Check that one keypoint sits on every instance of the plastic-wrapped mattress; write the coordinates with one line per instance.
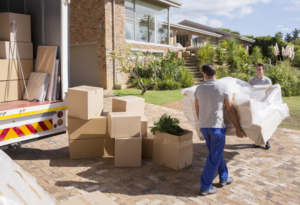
(260, 109)
(17, 187)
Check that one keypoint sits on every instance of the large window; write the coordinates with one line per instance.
(198, 41)
(146, 22)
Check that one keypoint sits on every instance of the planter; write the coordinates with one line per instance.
(175, 152)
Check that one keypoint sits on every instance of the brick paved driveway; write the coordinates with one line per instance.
(261, 176)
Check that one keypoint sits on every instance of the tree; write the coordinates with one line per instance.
(296, 34)
(296, 42)
(131, 62)
(288, 38)
(248, 36)
(229, 31)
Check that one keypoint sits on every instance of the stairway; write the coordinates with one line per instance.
(191, 63)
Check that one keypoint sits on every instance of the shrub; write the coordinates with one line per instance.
(296, 61)
(220, 55)
(206, 54)
(256, 56)
(167, 84)
(186, 78)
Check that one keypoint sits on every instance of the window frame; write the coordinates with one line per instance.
(129, 19)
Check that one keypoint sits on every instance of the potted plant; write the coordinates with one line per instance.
(172, 145)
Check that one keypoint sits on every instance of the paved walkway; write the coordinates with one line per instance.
(261, 176)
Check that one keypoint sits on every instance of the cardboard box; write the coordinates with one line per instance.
(87, 129)
(147, 146)
(16, 90)
(128, 152)
(124, 124)
(175, 152)
(94, 198)
(89, 148)
(144, 126)
(128, 104)
(23, 31)
(85, 102)
(14, 66)
(7, 47)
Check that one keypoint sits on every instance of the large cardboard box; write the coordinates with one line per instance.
(95, 198)
(128, 104)
(144, 126)
(124, 124)
(7, 48)
(14, 66)
(16, 90)
(85, 102)
(23, 29)
(147, 146)
(89, 148)
(128, 152)
(87, 129)
(175, 152)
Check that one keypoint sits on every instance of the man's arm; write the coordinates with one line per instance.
(233, 117)
(197, 107)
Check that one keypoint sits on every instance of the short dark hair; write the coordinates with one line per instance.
(261, 65)
(209, 69)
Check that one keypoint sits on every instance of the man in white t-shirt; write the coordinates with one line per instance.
(260, 79)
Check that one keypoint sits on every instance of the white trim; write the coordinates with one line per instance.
(188, 28)
(247, 39)
(175, 4)
(146, 50)
(148, 44)
(65, 64)
(84, 44)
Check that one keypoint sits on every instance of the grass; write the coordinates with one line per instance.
(293, 122)
(165, 97)
(153, 97)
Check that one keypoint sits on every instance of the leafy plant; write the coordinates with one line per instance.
(256, 56)
(220, 55)
(166, 124)
(186, 78)
(206, 54)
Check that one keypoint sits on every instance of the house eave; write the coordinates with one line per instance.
(171, 3)
(195, 30)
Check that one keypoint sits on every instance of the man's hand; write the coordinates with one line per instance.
(197, 107)
(240, 133)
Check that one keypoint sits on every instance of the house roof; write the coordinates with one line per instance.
(188, 28)
(172, 3)
(217, 31)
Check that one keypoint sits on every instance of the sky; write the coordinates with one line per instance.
(249, 17)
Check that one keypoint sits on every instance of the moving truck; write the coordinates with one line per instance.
(23, 121)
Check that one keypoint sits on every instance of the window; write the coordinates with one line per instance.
(183, 39)
(198, 41)
(146, 22)
(211, 40)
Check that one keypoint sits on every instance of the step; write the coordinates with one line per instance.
(191, 64)
(191, 67)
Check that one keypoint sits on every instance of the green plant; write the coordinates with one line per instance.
(167, 84)
(166, 124)
(256, 56)
(186, 78)
(206, 54)
(220, 55)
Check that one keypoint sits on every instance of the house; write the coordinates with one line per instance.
(98, 26)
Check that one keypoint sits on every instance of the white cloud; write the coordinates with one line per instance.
(293, 5)
(215, 23)
(279, 26)
(285, 29)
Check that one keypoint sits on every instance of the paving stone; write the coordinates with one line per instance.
(261, 176)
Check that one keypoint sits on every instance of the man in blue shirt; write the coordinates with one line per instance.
(260, 79)
(210, 99)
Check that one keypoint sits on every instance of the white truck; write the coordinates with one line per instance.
(22, 121)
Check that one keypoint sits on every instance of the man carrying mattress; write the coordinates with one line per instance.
(260, 79)
(210, 99)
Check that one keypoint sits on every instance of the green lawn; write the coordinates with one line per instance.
(293, 122)
(153, 97)
(165, 97)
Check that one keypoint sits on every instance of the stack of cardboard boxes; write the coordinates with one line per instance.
(120, 133)
(9, 66)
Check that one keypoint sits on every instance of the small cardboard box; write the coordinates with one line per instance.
(85, 102)
(23, 23)
(147, 146)
(128, 104)
(144, 126)
(87, 129)
(124, 124)
(94, 198)
(16, 74)
(16, 90)
(89, 148)
(128, 152)
(7, 47)
(175, 152)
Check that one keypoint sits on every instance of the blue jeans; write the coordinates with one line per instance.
(215, 141)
